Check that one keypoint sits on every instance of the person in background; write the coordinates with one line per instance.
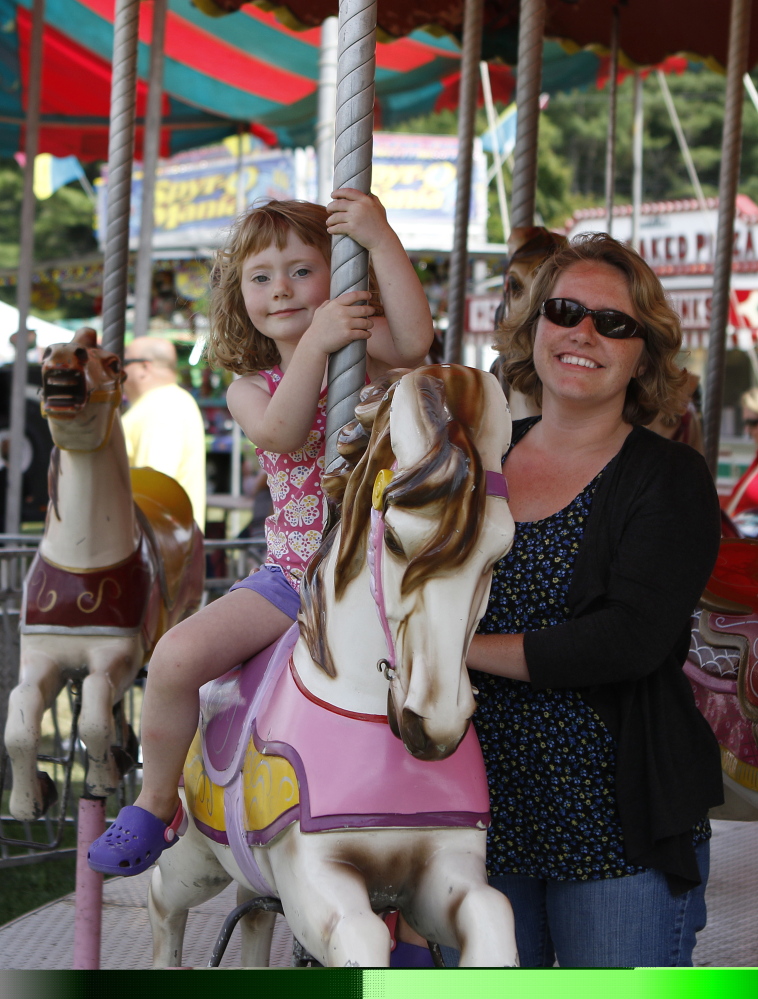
(163, 426)
(744, 496)
(684, 424)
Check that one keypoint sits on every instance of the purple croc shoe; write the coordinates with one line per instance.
(134, 841)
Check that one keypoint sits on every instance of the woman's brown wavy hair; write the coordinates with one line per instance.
(657, 389)
(234, 342)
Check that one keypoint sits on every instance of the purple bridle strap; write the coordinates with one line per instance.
(496, 486)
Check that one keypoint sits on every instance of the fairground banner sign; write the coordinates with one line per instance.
(196, 195)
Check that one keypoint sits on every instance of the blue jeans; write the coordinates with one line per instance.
(630, 922)
(626, 922)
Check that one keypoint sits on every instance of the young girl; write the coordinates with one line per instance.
(272, 323)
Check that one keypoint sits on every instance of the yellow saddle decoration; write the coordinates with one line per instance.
(269, 785)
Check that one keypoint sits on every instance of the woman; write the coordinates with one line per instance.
(601, 769)
(745, 494)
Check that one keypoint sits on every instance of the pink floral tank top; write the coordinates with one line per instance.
(294, 530)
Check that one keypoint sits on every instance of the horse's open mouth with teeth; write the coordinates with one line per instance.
(63, 390)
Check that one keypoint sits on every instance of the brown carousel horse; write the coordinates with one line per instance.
(121, 561)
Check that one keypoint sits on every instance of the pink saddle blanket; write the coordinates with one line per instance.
(352, 772)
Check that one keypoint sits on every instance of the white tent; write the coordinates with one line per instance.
(47, 333)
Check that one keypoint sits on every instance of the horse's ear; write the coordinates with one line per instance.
(85, 336)
(415, 425)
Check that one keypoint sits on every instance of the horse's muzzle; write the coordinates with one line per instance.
(419, 744)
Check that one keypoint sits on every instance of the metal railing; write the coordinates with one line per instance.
(63, 757)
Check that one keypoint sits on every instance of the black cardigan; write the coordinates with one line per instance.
(649, 547)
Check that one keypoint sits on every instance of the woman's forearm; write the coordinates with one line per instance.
(501, 655)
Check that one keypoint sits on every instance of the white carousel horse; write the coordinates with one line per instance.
(296, 785)
(722, 667)
(120, 562)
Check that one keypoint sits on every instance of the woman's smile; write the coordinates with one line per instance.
(583, 362)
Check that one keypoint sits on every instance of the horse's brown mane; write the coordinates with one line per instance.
(451, 475)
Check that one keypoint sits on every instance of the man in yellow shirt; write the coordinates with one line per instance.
(163, 425)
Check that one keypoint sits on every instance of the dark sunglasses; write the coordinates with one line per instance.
(135, 360)
(608, 322)
(752, 422)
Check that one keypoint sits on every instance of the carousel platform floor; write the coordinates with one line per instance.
(43, 939)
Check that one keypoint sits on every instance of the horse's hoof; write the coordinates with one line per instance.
(126, 757)
(48, 792)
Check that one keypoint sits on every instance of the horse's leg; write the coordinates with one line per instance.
(186, 875)
(256, 932)
(113, 665)
(326, 902)
(39, 684)
(453, 900)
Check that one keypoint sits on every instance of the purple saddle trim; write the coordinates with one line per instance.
(229, 704)
(496, 484)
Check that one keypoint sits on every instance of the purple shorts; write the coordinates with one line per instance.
(272, 584)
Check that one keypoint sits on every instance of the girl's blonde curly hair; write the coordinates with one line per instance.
(234, 342)
(658, 386)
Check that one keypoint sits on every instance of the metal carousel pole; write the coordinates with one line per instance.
(120, 158)
(151, 143)
(472, 48)
(89, 884)
(530, 40)
(610, 145)
(354, 127)
(739, 37)
(13, 505)
(327, 96)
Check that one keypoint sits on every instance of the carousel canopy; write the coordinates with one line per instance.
(650, 30)
(247, 68)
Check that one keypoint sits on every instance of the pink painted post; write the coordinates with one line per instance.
(89, 888)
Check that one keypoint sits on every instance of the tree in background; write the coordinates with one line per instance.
(63, 223)
(573, 129)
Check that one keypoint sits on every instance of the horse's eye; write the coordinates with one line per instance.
(392, 542)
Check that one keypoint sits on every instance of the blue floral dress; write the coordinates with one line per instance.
(550, 759)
